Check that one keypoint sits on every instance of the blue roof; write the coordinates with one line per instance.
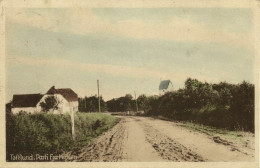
(164, 84)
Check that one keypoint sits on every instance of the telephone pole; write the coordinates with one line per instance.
(136, 103)
(99, 109)
(72, 117)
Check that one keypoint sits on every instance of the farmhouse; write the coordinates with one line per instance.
(30, 103)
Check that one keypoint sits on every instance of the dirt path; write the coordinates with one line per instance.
(141, 139)
(136, 147)
(199, 143)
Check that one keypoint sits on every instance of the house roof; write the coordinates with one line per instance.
(164, 84)
(67, 93)
(26, 100)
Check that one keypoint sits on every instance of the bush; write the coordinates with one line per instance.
(221, 105)
(51, 133)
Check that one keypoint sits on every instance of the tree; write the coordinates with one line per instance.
(50, 103)
(90, 104)
(8, 108)
(242, 105)
(125, 103)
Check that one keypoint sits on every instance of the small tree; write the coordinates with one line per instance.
(50, 103)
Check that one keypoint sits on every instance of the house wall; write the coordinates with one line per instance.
(31, 110)
(63, 107)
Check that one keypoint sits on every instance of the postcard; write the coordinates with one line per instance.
(130, 84)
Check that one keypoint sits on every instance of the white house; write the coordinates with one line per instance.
(30, 103)
(26, 102)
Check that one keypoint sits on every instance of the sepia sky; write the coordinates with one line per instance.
(126, 49)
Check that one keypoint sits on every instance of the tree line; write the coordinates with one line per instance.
(222, 105)
(121, 104)
(90, 104)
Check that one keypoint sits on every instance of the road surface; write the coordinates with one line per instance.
(144, 139)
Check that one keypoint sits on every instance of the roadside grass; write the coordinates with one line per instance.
(51, 133)
(211, 131)
(88, 126)
(240, 137)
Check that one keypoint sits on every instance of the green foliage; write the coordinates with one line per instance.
(231, 136)
(221, 105)
(122, 104)
(50, 103)
(90, 104)
(142, 102)
(92, 124)
(51, 133)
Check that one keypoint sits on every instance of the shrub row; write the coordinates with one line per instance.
(222, 105)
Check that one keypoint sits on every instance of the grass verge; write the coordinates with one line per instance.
(240, 137)
(32, 134)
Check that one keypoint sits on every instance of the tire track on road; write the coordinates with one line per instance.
(141, 139)
(107, 148)
(167, 147)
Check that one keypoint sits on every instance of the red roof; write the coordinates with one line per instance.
(26, 100)
(67, 93)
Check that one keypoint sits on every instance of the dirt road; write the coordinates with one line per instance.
(146, 139)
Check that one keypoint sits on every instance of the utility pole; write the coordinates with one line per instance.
(85, 103)
(73, 124)
(99, 109)
(136, 103)
(159, 87)
(72, 117)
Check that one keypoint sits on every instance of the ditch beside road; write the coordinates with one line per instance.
(145, 139)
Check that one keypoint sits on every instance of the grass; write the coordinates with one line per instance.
(212, 131)
(89, 125)
(51, 133)
(233, 136)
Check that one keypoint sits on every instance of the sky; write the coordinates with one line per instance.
(127, 49)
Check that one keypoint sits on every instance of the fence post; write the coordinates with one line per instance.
(72, 123)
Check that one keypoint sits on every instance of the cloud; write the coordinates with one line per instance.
(135, 74)
(113, 70)
(82, 21)
(125, 71)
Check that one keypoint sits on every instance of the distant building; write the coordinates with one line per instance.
(30, 103)
(165, 86)
(27, 102)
